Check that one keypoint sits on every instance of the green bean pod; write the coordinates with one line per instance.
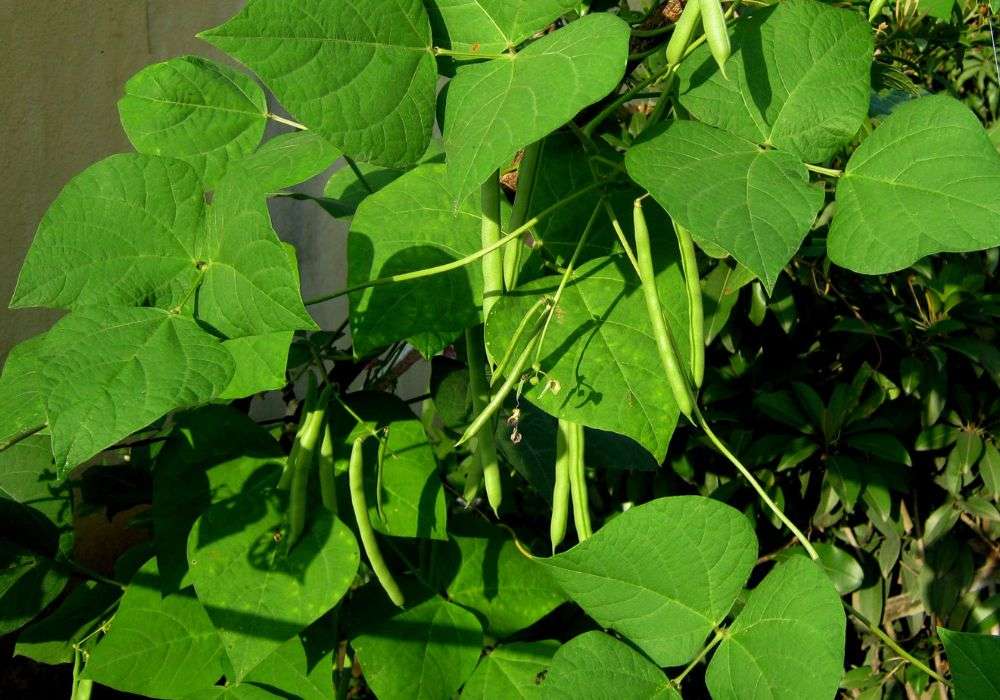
(473, 478)
(683, 32)
(716, 33)
(359, 503)
(565, 434)
(692, 283)
(482, 427)
(578, 485)
(513, 254)
(285, 481)
(492, 263)
(325, 466)
(302, 467)
(664, 342)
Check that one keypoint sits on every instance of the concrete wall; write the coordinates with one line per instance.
(64, 63)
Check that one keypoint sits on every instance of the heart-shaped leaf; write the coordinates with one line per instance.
(495, 108)
(754, 203)
(159, 646)
(511, 672)
(663, 574)
(798, 79)
(359, 72)
(257, 593)
(595, 665)
(492, 26)
(195, 110)
(974, 659)
(432, 664)
(788, 639)
(931, 168)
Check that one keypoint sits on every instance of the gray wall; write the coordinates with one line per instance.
(64, 65)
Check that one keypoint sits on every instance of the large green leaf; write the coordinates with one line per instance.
(158, 646)
(511, 672)
(257, 593)
(798, 79)
(495, 108)
(359, 72)
(29, 582)
(663, 574)
(260, 362)
(196, 110)
(121, 232)
(281, 162)
(787, 642)
(423, 653)
(412, 501)
(594, 666)
(492, 578)
(51, 640)
(492, 26)
(22, 404)
(754, 203)
(301, 667)
(409, 225)
(932, 174)
(599, 347)
(974, 660)
(132, 231)
(209, 456)
(110, 372)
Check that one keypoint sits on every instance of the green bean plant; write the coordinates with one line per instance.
(708, 295)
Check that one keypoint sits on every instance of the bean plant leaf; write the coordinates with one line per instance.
(798, 79)
(595, 665)
(974, 660)
(159, 646)
(281, 162)
(599, 347)
(260, 362)
(121, 232)
(788, 639)
(208, 457)
(492, 578)
(754, 203)
(409, 225)
(300, 668)
(412, 501)
(323, 59)
(432, 664)
(258, 593)
(110, 372)
(492, 26)
(51, 639)
(511, 672)
(29, 582)
(638, 576)
(195, 110)
(22, 404)
(496, 108)
(932, 168)
(28, 478)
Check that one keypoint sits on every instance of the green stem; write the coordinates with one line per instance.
(462, 262)
(565, 278)
(721, 447)
(358, 174)
(832, 172)
(482, 427)
(470, 55)
(894, 645)
(527, 174)
(482, 419)
(287, 122)
(492, 263)
(650, 33)
(81, 687)
(719, 636)
(622, 238)
(516, 339)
